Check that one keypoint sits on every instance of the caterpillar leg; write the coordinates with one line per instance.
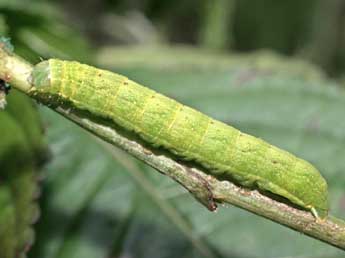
(317, 216)
(315, 213)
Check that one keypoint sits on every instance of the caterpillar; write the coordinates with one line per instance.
(165, 123)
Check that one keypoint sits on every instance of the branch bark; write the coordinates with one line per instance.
(205, 188)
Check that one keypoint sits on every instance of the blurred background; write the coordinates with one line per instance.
(272, 68)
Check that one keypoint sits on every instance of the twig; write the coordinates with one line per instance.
(166, 208)
(205, 188)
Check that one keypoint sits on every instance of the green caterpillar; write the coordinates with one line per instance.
(185, 132)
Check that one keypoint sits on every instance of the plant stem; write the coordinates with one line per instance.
(205, 188)
(14, 70)
(216, 31)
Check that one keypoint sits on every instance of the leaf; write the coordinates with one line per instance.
(24, 112)
(97, 204)
(14, 152)
(7, 224)
(19, 152)
(38, 30)
(263, 63)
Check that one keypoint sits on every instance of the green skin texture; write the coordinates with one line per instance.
(185, 132)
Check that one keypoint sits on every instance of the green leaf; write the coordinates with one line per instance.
(7, 223)
(17, 189)
(24, 112)
(21, 148)
(101, 203)
(38, 30)
(263, 63)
